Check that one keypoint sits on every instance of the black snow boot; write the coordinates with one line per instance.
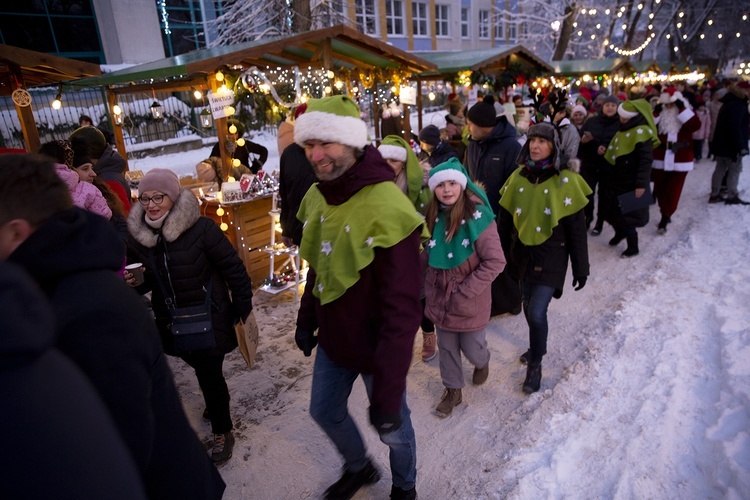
(619, 236)
(662, 227)
(632, 249)
(533, 377)
(351, 482)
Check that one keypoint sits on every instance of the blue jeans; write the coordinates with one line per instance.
(536, 299)
(331, 387)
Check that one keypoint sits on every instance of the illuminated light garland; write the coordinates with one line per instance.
(624, 52)
(165, 17)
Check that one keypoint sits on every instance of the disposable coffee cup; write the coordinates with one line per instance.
(137, 271)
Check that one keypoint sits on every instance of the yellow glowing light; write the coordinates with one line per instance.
(56, 104)
(231, 179)
(223, 226)
(330, 74)
(230, 110)
(197, 94)
(240, 142)
(116, 109)
(327, 89)
(232, 129)
(431, 96)
(219, 76)
(339, 84)
(219, 211)
(236, 162)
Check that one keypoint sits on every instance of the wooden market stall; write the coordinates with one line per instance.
(21, 69)
(345, 55)
(506, 62)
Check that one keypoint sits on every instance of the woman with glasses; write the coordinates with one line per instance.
(190, 262)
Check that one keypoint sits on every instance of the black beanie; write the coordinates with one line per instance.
(430, 135)
(482, 114)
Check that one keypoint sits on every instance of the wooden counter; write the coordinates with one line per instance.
(249, 231)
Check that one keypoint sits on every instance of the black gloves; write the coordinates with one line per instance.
(384, 423)
(306, 340)
(580, 281)
(680, 105)
(658, 108)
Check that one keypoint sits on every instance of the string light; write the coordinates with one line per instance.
(624, 52)
(165, 17)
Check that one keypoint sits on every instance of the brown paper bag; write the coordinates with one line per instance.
(247, 338)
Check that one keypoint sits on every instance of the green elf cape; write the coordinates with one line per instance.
(340, 240)
(538, 208)
(418, 193)
(451, 254)
(624, 141)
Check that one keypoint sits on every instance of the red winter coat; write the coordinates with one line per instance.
(680, 157)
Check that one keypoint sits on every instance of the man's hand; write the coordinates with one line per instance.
(384, 423)
(579, 282)
(680, 105)
(306, 340)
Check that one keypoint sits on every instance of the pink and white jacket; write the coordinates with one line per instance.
(84, 195)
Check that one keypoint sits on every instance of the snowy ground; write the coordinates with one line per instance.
(645, 392)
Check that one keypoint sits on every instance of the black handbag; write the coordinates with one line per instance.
(191, 327)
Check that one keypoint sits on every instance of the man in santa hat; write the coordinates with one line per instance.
(673, 159)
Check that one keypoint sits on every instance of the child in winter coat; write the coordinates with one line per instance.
(700, 135)
(465, 256)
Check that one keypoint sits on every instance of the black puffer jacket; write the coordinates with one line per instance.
(630, 171)
(547, 263)
(296, 175)
(491, 160)
(103, 326)
(731, 135)
(187, 252)
(442, 153)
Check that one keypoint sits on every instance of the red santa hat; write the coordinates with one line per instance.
(666, 95)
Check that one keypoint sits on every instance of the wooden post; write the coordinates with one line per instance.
(25, 114)
(117, 129)
(419, 104)
(407, 123)
(221, 133)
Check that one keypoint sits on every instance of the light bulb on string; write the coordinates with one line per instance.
(219, 76)
(57, 103)
(219, 211)
(240, 142)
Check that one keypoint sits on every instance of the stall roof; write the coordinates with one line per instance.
(36, 68)
(587, 66)
(454, 61)
(337, 46)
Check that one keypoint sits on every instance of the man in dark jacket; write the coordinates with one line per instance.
(58, 438)
(102, 325)
(730, 143)
(295, 178)
(361, 237)
(490, 159)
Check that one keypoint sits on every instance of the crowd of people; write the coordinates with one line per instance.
(482, 221)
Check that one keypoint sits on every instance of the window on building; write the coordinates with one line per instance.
(484, 24)
(394, 17)
(512, 28)
(524, 35)
(499, 29)
(419, 19)
(442, 20)
(367, 18)
(465, 31)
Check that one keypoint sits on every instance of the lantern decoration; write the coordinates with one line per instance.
(57, 103)
(117, 114)
(207, 121)
(157, 110)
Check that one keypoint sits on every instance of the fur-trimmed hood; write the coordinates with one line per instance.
(185, 212)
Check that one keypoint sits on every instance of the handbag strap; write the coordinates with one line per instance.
(169, 301)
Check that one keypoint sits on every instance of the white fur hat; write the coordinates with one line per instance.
(392, 152)
(332, 119)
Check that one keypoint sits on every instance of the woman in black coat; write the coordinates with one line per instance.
(631, 154)
(185, 256)
(541, 224)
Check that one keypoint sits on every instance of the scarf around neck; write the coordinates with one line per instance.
(451, 254)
